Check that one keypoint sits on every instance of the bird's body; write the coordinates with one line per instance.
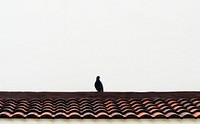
(98, 85)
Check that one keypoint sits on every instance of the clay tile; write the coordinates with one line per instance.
(60, 110)
(124, 105)
(21, 110)
(1, 101)
(98, 108)
(35, 110)
(113, 111)
(97, 104)
(60, 100)
(87, 111)
(48, 110)
(74, 110)
(10, 101)
(136, 105)
(186, 115)
(72, 104)
(109, 106)
(36, 105)
(10, 105)
(99, 111)
(35, 101)
(116, 115)
(137, 108)
(112, 108)
(198, 105)
(197, 114)
(22, 101)
(158, 115)
(181, 110)
(23, 105)
(130, 115)
(193, 110)
(187, 104)
(60, 115)
(140, 110)
(160, 105)
(6, 109)
(124, 108)
(177, 107)
(181, 100)
(121, 99)
(196, 101)
(48, 104)
(143, 115)
(18, 115)
(145, 99)
(169, 99)
(102, 115)
(5, 115)
(154, 110)
(127, 110)
(191, 107)
(84, 103)
(32, 115)
(159, 101)
(194, 98)
(85, 107)
(146, 102)
(133, 102)
(164, 108)
(149, 105)
(61, 105)
(121, 102)
(184, 102)
(74, 115)
(167, 110)
(88, 115)
(172, 115)
(70, 101)
(108, 102)
(46, 115)
(174, 104)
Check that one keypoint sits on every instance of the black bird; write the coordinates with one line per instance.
(98, 85)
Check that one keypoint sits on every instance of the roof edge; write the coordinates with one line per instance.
(64, 95)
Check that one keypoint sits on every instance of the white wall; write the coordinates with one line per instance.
(134, 45)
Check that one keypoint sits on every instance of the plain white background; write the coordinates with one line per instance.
(134, 45)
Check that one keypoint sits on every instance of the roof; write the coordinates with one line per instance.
(95, 105)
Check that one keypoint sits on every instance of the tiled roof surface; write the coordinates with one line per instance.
(100, 105)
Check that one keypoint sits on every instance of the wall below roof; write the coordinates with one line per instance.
(111, 121)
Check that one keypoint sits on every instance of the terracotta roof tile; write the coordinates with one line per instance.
(100, 105)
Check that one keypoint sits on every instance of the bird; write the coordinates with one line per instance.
(98, 85)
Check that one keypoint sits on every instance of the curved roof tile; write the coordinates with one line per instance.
(94, 105)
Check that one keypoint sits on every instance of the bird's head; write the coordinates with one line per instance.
(98, 77)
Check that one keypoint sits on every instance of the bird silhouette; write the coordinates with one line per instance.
(98, 85)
